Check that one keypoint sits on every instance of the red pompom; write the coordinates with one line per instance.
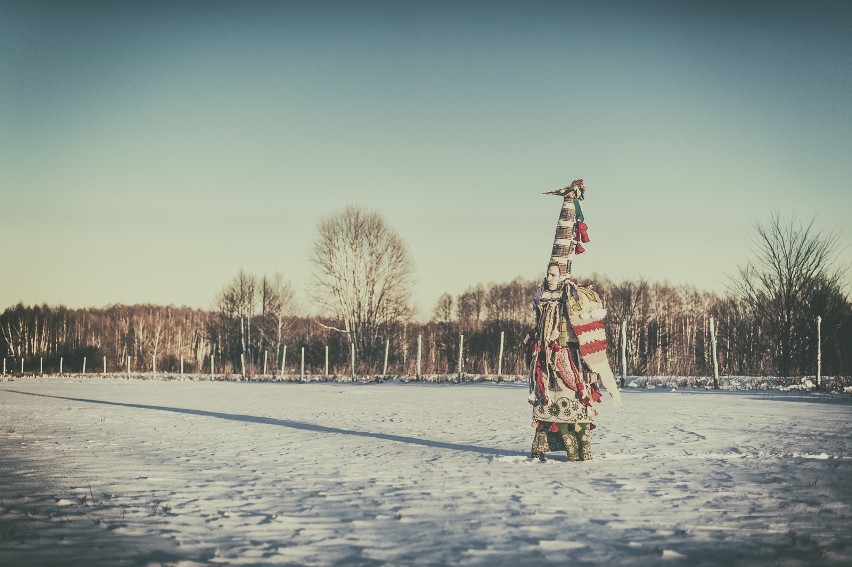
(579, 249)
(553, 428)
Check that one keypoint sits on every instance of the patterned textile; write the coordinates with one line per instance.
(559, 390)
(586, 313)
(566, 239)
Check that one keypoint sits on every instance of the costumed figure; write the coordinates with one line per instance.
(567, 347)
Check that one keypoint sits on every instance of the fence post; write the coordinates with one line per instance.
(500, 359)
(303, 364)
(387, 349)
(41, 365)
(283, 361)
(212, 365)
(461, 354)
(4, 366)
(265, 360)
(419, 352)
(352, 345)
(84, 364)
(326, 361)
(715, 360)
(104, 365)
(181, 366)
(22, 366)
(624, 353)
(819, 351)
(128, 365)
(60, 365)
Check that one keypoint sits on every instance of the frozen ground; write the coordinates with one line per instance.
(127, 472)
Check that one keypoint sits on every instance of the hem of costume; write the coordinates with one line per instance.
(573, 438)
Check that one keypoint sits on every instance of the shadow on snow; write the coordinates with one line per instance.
(301, 425)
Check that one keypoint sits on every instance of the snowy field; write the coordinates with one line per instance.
(114, 472)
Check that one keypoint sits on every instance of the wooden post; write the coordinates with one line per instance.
(154, 365)
(326, 361)
(624, 353)
(104, 365)
(212, 365)
(461, 354)
(353, 359)
(265, 360)
(128, 365)
(819, 351)
(243, 363)
(283, 361)
(60, 365)
(4, 366)
(500, 357)
(22, 366)
(41, 365)
(84, 364)
(387, 350)
(715, 360)
(181, 366)
(303, 363)
(419, 353)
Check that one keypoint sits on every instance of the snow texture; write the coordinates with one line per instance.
(110, 472)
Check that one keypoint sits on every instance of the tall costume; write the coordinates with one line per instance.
(567, 347)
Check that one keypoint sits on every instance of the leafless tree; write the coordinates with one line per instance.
(276, 300)
(791, 261)
(443, 311)
(471, 306)
(363, 275)
(236, 304)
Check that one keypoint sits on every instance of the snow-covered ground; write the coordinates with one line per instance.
(98, 471)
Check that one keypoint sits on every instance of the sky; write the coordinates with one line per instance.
(149, 151)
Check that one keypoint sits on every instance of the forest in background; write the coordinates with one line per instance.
(786, 314)
(668, 334)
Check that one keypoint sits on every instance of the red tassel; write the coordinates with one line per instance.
(592, 426)
(596, 395)
(583, 231)
(579, 249)
(553, 428)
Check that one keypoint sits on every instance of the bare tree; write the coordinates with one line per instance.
(236, 304)
(443, 311)
(471, 306)
(363, 275)
(791, 261)
(276, 300)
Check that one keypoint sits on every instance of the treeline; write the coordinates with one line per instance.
(251, 325)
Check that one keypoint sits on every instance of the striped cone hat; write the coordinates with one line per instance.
(565, 241)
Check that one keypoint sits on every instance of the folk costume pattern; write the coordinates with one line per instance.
(568, 345)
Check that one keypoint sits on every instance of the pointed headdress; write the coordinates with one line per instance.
(570, 228)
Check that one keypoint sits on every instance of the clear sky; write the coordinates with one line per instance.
(151, 150)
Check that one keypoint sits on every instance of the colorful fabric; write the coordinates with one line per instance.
(586, 313)
(559, 390)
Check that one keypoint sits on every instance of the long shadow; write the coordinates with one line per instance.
(301, 425)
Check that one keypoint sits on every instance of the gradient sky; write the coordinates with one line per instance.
(151, 150)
